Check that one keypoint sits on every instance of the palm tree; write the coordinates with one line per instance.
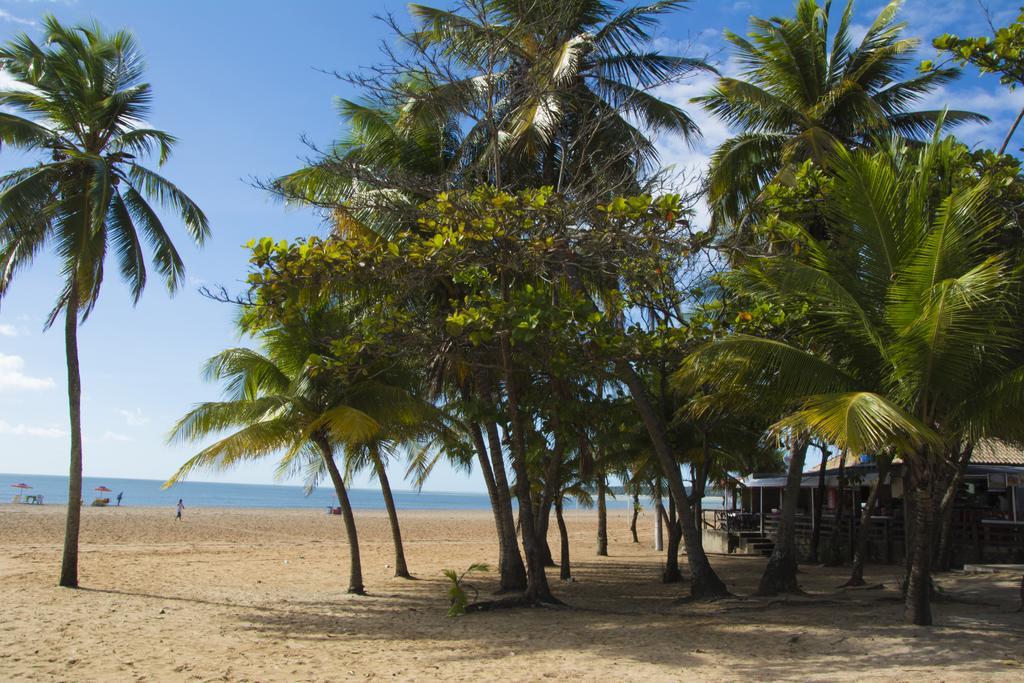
(374, 454)
(280, 402)
(386, 164)
(556, 93)
(560, 91)
(575, 488)
(916, 345)
(82, 103)
(802, 93)
(275, 410)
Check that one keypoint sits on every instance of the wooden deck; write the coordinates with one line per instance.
(974, 540)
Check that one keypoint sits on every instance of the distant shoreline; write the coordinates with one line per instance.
(201, 494)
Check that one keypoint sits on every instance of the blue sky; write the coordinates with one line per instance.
(239, 84)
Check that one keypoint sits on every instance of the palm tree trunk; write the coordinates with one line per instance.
(355, 574)
(659, 517)
(537, 588)
(69, 563)
(636, 513)
(819, 504)
(543, 523)
(943, 553)
(401, 570)
(835, 552)
(859, 556)
(704, 582)
(565, 572)
(917, 608)
(675, 536)
(506, 581)
(552, 482)
(513, 569)
(700, 482)
(602, 517)
(780, 574)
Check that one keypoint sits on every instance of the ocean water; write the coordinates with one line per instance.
(147, 493)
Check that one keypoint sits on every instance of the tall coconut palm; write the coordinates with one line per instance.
(802, 93)
(914, 325)
(560, 91)
(82, 105)
(555, 92)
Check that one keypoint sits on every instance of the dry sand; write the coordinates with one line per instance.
(256, 595)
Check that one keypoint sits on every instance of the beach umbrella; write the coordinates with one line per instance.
(21, 486)
(103, 489)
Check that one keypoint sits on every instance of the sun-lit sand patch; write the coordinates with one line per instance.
(259, 595)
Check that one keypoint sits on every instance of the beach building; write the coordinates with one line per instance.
(987, 516)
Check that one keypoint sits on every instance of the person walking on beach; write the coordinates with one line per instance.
(119, 494)
(181, 506)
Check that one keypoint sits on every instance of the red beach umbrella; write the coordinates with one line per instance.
(104, 489)
(21, 486)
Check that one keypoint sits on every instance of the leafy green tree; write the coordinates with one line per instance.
(805, 90)
(522, 280)
(81, 104)
(1001, 54)
(914, 340)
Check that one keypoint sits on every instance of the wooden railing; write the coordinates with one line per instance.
(973, 539)
(885, 534)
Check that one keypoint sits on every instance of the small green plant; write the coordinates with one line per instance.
(457, 590)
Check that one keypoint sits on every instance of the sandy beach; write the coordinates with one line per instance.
(257, 595)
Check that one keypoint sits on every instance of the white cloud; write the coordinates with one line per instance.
(7, 16)
(8, 330)
(27, 430)
(691, 162)
(927, 19)
(12, 377)
(133, 418)
(114, 436)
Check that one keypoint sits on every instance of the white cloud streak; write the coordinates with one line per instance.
(13, 379)
(114, 436)
(21, 429)
(8, 17)
(133, 418)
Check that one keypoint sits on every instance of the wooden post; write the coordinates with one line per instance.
(976, 532)
(760, 515)
(888, 542)
(658, 534)
(854, 518)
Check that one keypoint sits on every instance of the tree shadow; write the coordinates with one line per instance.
(620, 612)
